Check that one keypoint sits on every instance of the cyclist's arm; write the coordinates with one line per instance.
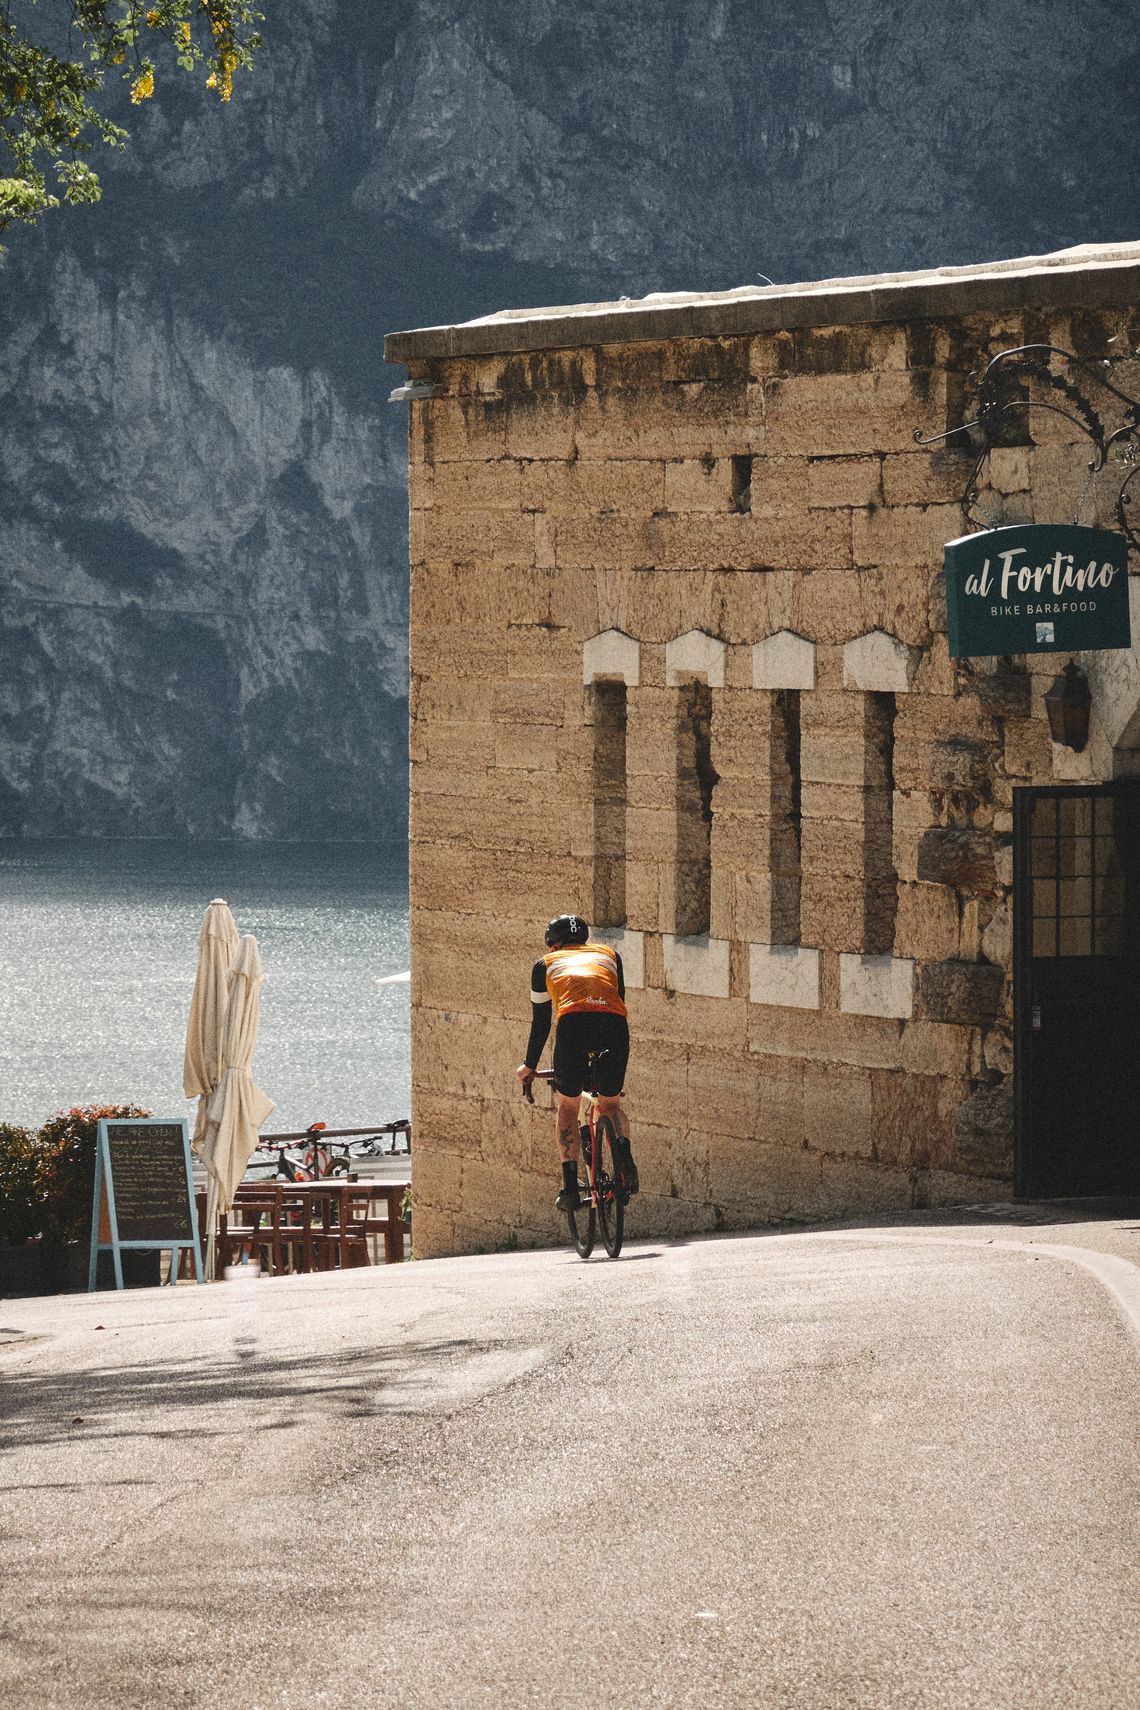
(621, 977)
(542, 1013)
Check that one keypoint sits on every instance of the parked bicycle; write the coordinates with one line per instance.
(289, 1167)
(317, 1159)
(399, 1140)
(603, 1198)
(316, 1152)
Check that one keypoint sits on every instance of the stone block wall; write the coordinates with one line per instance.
(679, 662)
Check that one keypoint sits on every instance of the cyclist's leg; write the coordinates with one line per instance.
(569, 1070)
(610, 1082)
(566, 1117)
(569, 1151)
(615, 1110)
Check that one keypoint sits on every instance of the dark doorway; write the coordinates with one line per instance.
(1077, 991)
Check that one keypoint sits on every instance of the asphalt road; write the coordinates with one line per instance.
(891, 1467)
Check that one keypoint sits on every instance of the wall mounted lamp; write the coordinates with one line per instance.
(1067, 704)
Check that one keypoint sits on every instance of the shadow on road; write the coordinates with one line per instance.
(107, 1401)
(1022, 1213)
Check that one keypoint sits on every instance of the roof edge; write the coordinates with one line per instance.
(1092, 276)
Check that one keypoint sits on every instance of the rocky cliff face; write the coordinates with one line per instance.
(203, 612)
(202, 549)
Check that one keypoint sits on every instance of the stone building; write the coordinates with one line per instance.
(679, 662)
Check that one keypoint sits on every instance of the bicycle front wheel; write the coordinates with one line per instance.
(583, 1224)
(611, 1197)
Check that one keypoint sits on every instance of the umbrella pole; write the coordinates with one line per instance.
(211, 1225)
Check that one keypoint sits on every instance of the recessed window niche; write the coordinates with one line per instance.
(608, 707)
(785, 823)
(881, 883)
(696, 781)
(742, 484)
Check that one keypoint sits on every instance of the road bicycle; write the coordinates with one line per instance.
(314, 1161)
(603, 1198)
(319, 1152)
(373, 1146)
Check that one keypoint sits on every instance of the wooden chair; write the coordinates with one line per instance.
(185, 1254)
(261, 1211)
(248, 1235)
(295, 1230)
(355, 1210)
(231, 1239)
(393, 1226)
(340, 1241)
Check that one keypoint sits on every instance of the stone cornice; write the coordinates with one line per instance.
(1095, 276)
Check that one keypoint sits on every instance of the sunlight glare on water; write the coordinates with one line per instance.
(98, 944)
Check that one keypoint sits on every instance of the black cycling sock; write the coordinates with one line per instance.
(570, 1173)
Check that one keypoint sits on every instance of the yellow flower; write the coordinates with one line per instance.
(184, 32)
(21, 92)
(143, 88)
(222, 79)
(152, 19)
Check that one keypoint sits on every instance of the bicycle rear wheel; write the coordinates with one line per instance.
(611, 1197)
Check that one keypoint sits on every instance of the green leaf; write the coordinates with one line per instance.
(50, 107)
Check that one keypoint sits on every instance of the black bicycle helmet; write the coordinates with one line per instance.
(566, 929)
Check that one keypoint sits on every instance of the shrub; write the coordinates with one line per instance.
(21, 1185)
(67, 1143)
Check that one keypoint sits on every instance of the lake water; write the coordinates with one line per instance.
(98, 948)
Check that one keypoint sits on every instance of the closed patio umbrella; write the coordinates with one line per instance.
(237, 1107)
(202, 1065)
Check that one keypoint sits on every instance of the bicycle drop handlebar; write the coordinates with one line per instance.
(539, 1075)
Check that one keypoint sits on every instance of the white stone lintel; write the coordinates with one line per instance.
(630, 946)
(783, 661)
(698, 965)
(876, 985)
(785, 974)
(694, 655)
(612, 656)
(879, 663)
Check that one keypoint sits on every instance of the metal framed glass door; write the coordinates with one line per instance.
(1077, 991)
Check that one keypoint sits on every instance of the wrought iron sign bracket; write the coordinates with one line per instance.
(1031, 362)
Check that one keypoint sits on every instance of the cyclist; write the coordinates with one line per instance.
(580, 985)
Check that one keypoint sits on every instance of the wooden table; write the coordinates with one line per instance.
(305, 1226)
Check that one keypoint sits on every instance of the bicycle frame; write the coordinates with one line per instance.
(587, 1118)
(315, 1161)
(605, 1195)
(324, 1157)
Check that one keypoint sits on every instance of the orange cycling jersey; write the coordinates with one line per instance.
(584, 977)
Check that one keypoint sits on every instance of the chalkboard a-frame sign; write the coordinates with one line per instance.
(144, 1192)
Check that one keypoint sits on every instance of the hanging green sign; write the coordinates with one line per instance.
(1037, 589)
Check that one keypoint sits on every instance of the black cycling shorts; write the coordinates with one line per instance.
(582, 1035)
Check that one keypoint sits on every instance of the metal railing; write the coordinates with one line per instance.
(331, 1151)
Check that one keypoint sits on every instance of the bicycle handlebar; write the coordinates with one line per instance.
(539, 1075)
